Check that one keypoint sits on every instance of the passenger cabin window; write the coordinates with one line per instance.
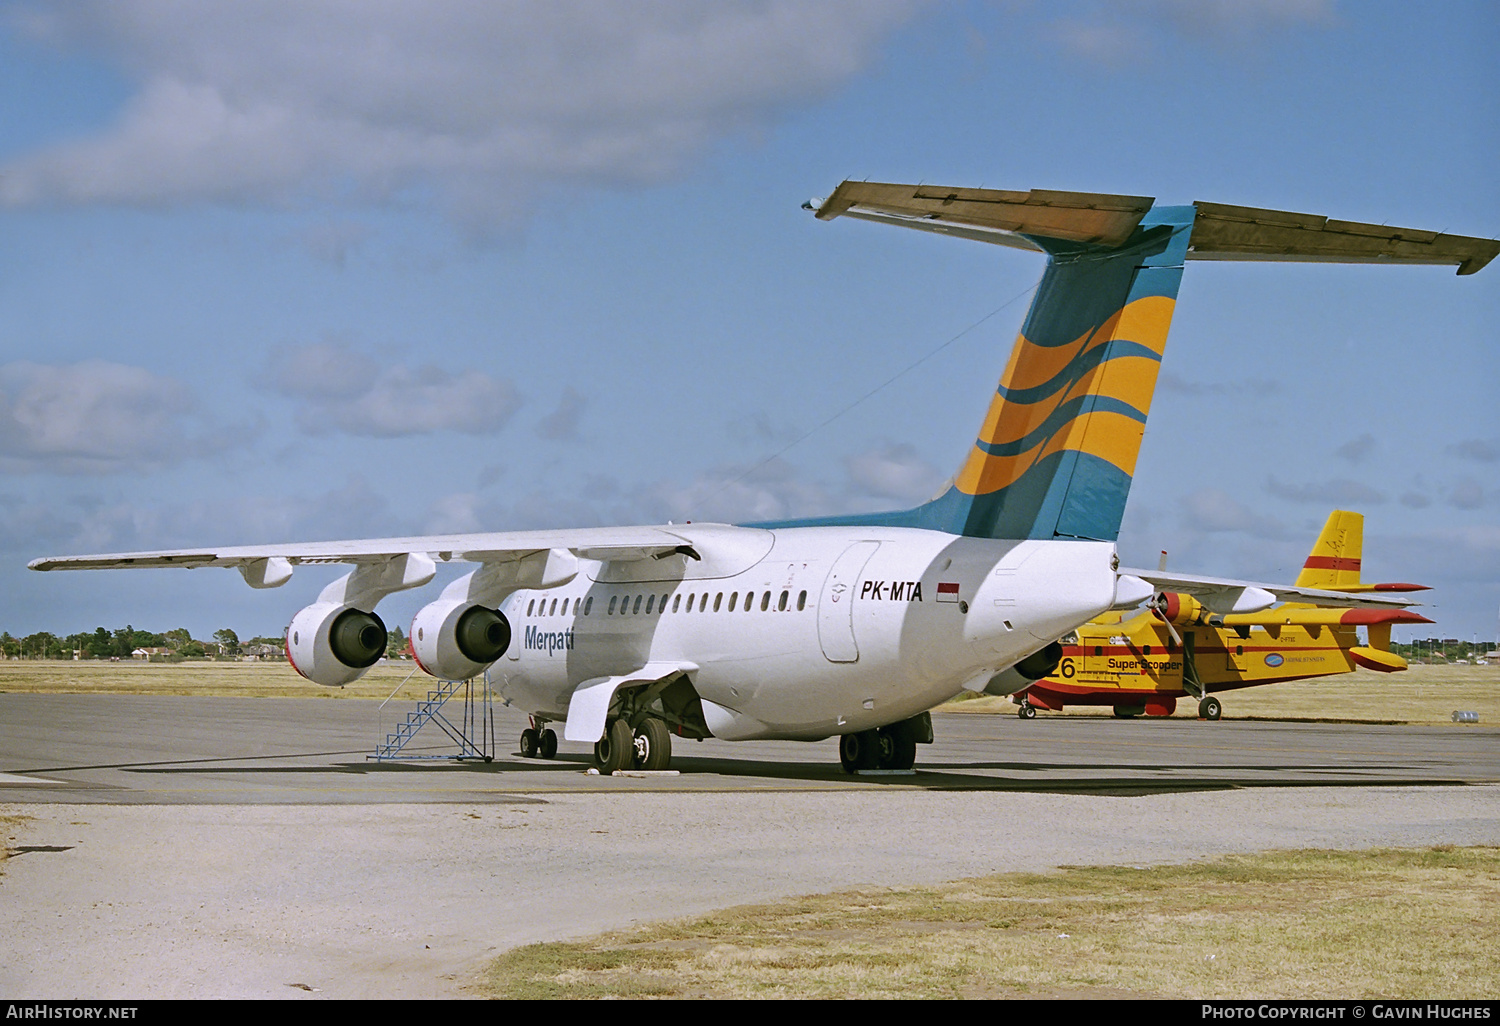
(703, 603)
(611, 605)
(1148, 649)
(636, 606)
(765, 602)
(733, 598)
(650, 601)
(1098, 650)
(529, 606)
(801, 601)
(717, 597)
(676, 602)
(553, 609)
(588, 604)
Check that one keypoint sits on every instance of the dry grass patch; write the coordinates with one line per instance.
(1419, 695)
(10, 825)
(1291, 925)
(205, 678)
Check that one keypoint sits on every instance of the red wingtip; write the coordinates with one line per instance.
(1365, 617)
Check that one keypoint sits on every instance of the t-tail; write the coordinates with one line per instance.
(1057, 451)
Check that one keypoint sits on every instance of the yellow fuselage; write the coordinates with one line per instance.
(1135, 662)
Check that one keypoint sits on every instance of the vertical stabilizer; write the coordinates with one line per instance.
(1333, 563)
(1057, 451)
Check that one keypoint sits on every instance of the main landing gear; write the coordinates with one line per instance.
(1026, 711)
(893, 747)
(538, 741)
(647, 748)
(1210, 708)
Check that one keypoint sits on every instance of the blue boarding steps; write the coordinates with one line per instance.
(478, 718)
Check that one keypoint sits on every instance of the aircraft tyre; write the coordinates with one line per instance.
(529, 744)
(897, 747)
(1027, 711)
(616, 749)
(860, 751)
(1210, 708)
(548, 744)
(653, 746)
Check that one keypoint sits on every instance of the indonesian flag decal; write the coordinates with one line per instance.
(947, 591)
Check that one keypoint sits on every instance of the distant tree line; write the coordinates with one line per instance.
(169, 647)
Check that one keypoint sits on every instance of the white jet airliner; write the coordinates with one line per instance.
(851, 625)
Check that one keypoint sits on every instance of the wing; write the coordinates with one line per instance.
(1302, 616)
(1225, 595)
(604, 543)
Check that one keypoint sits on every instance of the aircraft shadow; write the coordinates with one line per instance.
(714, 773)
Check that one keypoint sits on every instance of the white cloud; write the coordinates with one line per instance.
(1477, 449)
(1356, 449)
(1119, 34)
(91, 523)
(1338, 492)
(1241, 386)
(95, 417)
(1210, 509)
(894, 472)
(341, 389)
(485, 102)
(562, 423)
(1466, 494)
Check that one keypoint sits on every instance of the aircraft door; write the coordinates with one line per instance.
(836, 605)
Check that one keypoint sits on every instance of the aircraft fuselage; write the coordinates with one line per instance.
(811, 632)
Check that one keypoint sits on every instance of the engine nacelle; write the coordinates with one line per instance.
(334, 644)
(455, 639)
(1027, 672)
(1177, 608)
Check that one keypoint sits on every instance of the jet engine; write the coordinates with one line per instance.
(1027, 672)
(456, 639)
(334, 644)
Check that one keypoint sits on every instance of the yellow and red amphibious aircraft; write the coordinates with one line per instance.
(1177, 648)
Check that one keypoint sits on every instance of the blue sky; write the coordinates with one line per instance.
(291, 271)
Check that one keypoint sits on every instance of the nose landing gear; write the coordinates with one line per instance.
(538, 741)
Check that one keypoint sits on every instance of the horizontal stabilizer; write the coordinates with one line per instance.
(1219, 232)
(1223, 232)
(1096, 218)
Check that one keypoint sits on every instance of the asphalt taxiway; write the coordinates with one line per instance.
(133, 749)
(182, 847)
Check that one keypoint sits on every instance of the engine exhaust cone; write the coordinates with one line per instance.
(482, 634)
(357, 638)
